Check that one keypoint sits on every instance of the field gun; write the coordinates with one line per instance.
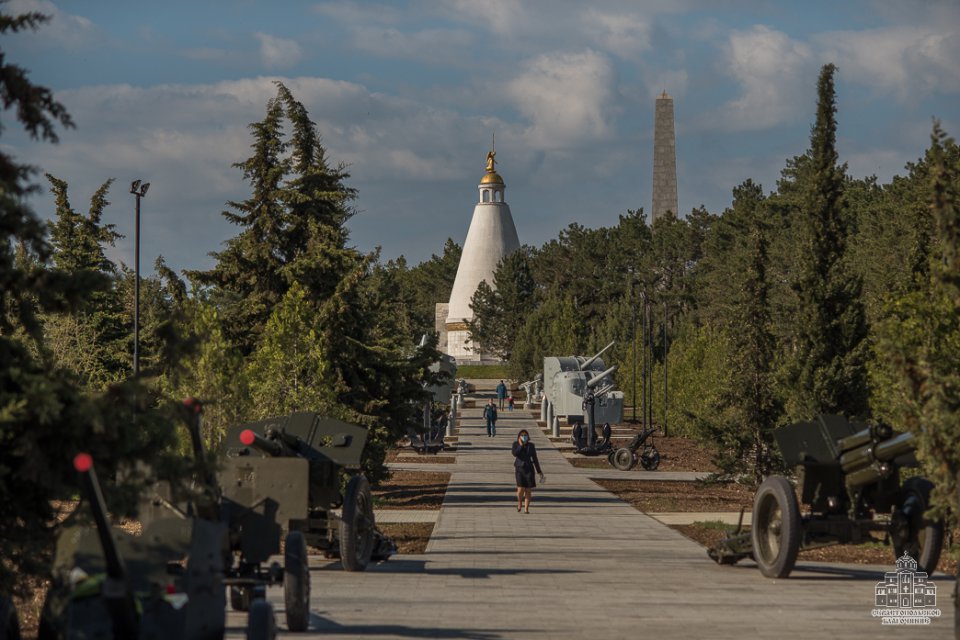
(283, 475)
(165, 582)
(849, 485)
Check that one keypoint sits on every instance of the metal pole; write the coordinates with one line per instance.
(664, 367)
(136, 291)
(634, 387)
(648, 364)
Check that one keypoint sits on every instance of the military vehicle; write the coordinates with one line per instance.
(565, 387)
(850, 483)
(164, 583)
(285, 473)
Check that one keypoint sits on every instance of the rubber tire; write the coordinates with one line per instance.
(296, 582)
(650, 458)
(775, 549)
(356, 525)
(9, 621)
(239, 598)
(932, 532)
(623, 459)
(261, 624)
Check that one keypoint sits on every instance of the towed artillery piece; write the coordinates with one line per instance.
(850, 486)
(164, 583)
(626, 457)
(283, 474)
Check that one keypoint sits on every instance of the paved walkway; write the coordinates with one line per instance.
(582, 564)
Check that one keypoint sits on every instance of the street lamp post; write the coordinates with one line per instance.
(138, 191)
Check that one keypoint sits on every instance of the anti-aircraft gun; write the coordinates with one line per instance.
(850, 482)
(565, 389)
(285, 473)
(165, 582)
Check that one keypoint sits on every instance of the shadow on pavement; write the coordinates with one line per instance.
(319, 623)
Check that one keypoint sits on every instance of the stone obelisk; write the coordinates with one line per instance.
(664, 159)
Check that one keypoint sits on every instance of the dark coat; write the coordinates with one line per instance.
(526, 461)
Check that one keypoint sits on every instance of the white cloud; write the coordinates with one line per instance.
(774, 72)
(624, 34)
(567, 97)
(908, 61)
(431, 45)
(64, 29)
(278, 53)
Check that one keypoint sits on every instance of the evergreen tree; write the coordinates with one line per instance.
(91, 340)
(827, 373)
(922, 340)
(501, 311)
(248, 278)
(44, 418)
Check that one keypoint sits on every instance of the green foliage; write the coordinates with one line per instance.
(921, 338)
(91, 340)
(827, 373)
(45, 417)
(500, 310)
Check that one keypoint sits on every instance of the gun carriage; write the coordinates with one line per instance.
(165, 582)
(282, 476)
(850, 487)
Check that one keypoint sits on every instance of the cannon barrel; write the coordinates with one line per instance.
(251, 438)
(195, 412)
(117, 596)
(870, 463)
(589, 361)
(90, 486)
(595, 380)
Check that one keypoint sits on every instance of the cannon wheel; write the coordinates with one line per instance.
(356, 525)
(9, 622)
(776, 527)
(261, 624)
(924, 538)
(623, 459)
(296, 582)
(650, 458)
(239, 598)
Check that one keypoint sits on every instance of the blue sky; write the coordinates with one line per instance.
(409, 93)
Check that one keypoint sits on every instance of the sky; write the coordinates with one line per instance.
(409, 94)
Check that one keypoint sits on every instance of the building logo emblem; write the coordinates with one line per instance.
(905, 596)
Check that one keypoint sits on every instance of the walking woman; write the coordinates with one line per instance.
(526, 461)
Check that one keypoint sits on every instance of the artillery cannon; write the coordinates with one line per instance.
(566, 388)
(850, 486)
(165, 582)
(284, 475)
(626, 458)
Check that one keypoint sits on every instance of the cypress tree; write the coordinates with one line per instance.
(827, 373)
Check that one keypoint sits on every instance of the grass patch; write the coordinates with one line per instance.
(410, 537)
(483, 371)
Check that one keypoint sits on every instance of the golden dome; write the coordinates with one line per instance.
(491, 177)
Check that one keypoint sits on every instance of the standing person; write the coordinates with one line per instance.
(501, 394)
(490, 415)
(526, 461)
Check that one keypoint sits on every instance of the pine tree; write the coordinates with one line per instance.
(827, 373)
(92, 339)
(45, 419)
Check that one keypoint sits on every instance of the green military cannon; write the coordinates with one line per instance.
(850, 487)
(282, 475)
(165, 582)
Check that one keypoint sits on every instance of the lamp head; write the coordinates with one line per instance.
(143, 189)
(134, 186)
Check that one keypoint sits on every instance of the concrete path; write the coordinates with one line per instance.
(582, 564)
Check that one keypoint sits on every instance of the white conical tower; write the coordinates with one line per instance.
(491, 237)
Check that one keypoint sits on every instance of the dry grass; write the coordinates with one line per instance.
(667, 497)
(412, 490)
